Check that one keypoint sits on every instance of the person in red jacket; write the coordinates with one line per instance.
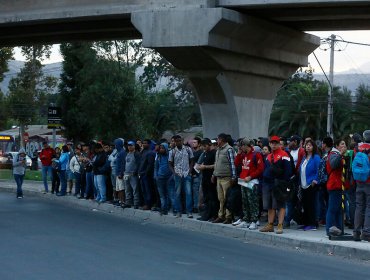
(334, 168)
(361, 229)
(46, 156)
(252, 169)
(278, 168)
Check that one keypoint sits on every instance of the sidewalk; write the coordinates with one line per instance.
(313, 241)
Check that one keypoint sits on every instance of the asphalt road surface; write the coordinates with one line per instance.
(40, 239)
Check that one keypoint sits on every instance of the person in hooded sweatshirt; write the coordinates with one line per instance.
(162, 174)
(120, 169)
(19, 170)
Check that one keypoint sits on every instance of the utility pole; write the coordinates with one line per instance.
(329, 124)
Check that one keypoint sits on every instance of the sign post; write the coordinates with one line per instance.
(54, 120)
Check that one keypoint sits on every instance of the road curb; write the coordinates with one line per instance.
(229, 231)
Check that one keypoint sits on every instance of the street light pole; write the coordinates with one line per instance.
(329, 124)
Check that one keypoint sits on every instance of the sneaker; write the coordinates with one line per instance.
(365, 237)
(293, 223)
(279, 229)
(356, 236)
(258, 223)
(253, 226)
(163, 212)
(322, 222)
(307, 228)
(301, 227)
(190, 215)
(335, 231)
(19, 197)
(267, 228)
(218, 220)
(243, 225)
(237, 222)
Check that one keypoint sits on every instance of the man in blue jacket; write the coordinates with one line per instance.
(162, 174)
(146, 172)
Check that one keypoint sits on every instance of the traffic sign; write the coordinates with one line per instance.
(54, 117)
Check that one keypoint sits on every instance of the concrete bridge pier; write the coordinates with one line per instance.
(236, 62)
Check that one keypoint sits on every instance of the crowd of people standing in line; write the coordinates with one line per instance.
(226, 181)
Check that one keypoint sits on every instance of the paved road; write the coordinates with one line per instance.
(41, 240)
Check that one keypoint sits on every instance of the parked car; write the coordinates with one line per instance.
(28, 159)
(6, 161)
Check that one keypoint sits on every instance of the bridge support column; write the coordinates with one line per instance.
(236, 62)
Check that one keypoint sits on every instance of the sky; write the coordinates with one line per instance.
(347, 56)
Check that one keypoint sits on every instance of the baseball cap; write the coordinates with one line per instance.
(206, 141)
(131, 143)
(274, 138)
(295, 138)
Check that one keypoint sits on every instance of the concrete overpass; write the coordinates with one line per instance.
(237, 53)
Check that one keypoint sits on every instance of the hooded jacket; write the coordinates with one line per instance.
(334, 168)
(161, 165)
(120, 157)
(19, 167)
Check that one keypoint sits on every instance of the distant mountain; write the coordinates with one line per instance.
(350, 81)
(53, 69)
(344, 79)
(364, 68)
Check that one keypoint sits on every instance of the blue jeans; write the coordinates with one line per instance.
(334, 214)
(132, 192)
(19, 181)
(183, 183)
(350, 204)
(288, 212)
(89, 185)
(321, 203)
(163, 190)
(45, 171)
(79, 188)
(99, 182)
(171, 193)
(146, 187)
(195, 186)
(63, 181)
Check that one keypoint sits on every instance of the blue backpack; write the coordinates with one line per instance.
(361, 167)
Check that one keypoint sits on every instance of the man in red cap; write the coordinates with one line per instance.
(278, 169)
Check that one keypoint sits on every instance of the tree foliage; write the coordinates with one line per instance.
(301, 108)
(109, 90)
(5, 55)
(29, 91)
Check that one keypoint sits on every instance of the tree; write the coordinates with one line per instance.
(301, 108)
(102, 98)
(5, 55)
(29, 91)
(78, 57)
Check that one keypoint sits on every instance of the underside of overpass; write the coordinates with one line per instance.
(237, 53)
